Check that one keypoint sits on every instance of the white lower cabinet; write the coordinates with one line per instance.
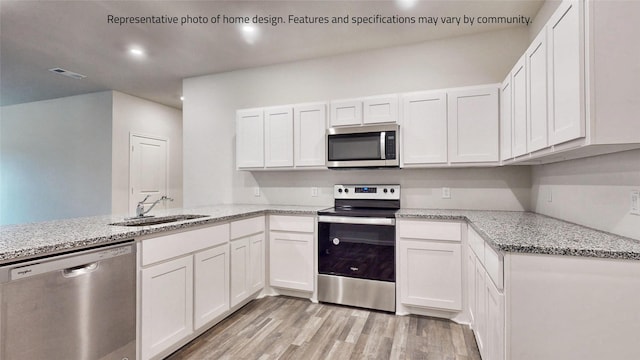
(167, 305)
(430, 264)
(247, 258)
(211, 284)
(495, 328)
(486, 300)
(480, 320)
(184, 281)
(291, 255)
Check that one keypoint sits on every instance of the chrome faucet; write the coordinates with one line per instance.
(140, 211)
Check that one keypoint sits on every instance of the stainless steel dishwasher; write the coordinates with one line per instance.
(80, 305)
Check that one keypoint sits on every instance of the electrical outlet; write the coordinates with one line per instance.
(314, 191)
(635, 202)
(446, 193)
(256, 191)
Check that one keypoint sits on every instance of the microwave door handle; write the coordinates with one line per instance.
(383, 152)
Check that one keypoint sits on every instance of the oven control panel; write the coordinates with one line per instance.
(375, 192)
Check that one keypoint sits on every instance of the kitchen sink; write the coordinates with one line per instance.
(156, 220)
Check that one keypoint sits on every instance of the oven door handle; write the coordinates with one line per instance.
(356, 220)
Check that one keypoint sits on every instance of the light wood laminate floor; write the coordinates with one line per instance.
(289, 328)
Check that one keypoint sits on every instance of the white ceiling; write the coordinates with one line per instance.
(75, 35)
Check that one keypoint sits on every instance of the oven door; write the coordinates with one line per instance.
(357, 247)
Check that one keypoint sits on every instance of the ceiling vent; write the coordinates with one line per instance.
(68, 73)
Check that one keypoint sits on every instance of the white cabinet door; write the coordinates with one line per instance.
(346, 112)
(278, 127)
(519, 99)
(473, 125)
(424, 128)
(240, 257)
(249, 139)
(431, 274)
(495, 338)
(309, 125)
(536, 68)
(255, 278)
(291, 260)
(211, 284)
(506, 119)
(471, 285)
(566, 68)
(480, 323)
(380, 109)
(166, 305)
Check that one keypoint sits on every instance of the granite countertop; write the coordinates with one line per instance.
(527, 232)
(506, 231)
(24, 241)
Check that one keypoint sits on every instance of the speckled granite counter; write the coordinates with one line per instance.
(526, 232)
(23, 241)
(507, 231)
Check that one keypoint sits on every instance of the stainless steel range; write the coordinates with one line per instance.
(356, 247)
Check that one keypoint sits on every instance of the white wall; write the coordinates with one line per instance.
(594, 191)
(138, 116)
(211, 101)
(55, 158)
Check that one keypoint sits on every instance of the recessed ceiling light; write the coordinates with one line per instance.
(406, 4)
(137, 52)
(250, 34)
(181, 98)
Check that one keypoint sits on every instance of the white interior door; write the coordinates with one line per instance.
(148, 171)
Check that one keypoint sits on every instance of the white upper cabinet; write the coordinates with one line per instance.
(473, 125)
(566, 66)
(249, 139)
(506, 117)
(309, 124)
(424, 128)
(519, 103)
(278, 127)
(364, 111)
(380, 109)
(580, 88)
(346, 112)
(536, 67)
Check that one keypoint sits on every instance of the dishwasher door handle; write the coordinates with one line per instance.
(79, 270)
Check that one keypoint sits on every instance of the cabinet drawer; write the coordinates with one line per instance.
(477, 244)
(430, 230)
(170, 246)
(292, 223)
(493, 263)
(246, 227)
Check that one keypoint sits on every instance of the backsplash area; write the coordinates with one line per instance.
(506, 188)
(594, 192)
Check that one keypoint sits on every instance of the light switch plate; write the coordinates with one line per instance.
(446, 193)
(256, 191)
(549, 195)
(314, 191)
(635, 202)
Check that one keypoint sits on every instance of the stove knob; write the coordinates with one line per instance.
(340, 190)
(335, 241)
(392, 190)
(346, 191)
(385, 190)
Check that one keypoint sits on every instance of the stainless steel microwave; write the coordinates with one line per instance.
(363, 146)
